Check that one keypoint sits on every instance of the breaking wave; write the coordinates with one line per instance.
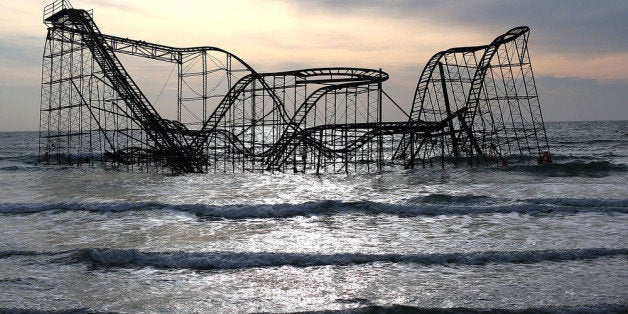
(584, 309)
(430, 205)
(572, 168)
(103, 257)
(465, 199)
(369, 307)
(28, 159)
(588, 309)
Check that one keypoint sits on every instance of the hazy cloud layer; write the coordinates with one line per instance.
(591, 26)
(578, 48)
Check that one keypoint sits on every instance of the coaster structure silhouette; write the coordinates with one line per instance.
(472, 105)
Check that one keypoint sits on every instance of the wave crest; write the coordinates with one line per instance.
(106, 257)
(437, 204)
(572, 168)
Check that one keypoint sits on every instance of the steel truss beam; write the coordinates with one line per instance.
(479, 103)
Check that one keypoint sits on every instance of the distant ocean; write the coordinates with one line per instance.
(524, 237)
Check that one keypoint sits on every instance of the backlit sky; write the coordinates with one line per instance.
(579, 49)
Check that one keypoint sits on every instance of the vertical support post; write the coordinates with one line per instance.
(412, 154)
(45, 110)
(70, 101)
(253, 117)
(320, 153)
(60, 99)
(454, 143)
(204, 57)
(442, 151)
(380, 148)
(179, 85)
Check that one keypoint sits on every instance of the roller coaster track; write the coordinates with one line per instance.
(177, 149)
(161, 130)
(373, 130)
(472, 102)
(149, 50)
(289, 139)
(452, 105)
(369, 132)
(293, 132)
(141, 109)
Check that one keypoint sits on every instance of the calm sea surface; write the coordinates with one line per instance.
(523, 237)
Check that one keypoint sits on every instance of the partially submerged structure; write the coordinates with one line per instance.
(472, 105)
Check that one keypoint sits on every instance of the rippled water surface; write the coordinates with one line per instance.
(538, 237)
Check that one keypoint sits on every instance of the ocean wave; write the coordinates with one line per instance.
(30, 161)
(12, 168)
(466, 199)
(576, 203)
(21, 167)
(431, 205)
(588, 309)
(27, 159)
(10, 253)
(39, 311)
(588, 142)
(572, 168)
(566, 158)
(131, 258)
(399, 308)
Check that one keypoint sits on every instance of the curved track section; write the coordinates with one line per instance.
(495, 85)
(478, 103)
(287, 124)
(138, 105)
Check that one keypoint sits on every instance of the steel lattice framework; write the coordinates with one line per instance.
(477, 104)
(491, 90)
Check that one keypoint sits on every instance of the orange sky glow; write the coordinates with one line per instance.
(397, 36)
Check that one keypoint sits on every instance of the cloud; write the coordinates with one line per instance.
(570, 38)
(602, 68)
(122, 6)
(563, 23)
(572, 41)
(581, 100)
(19, 108)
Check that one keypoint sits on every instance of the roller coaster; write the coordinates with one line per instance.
(472, 105)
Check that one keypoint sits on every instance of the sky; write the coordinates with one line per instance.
(579, 49)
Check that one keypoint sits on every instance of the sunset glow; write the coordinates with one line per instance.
(580, 41)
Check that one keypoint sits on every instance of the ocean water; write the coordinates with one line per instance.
(522, 237)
